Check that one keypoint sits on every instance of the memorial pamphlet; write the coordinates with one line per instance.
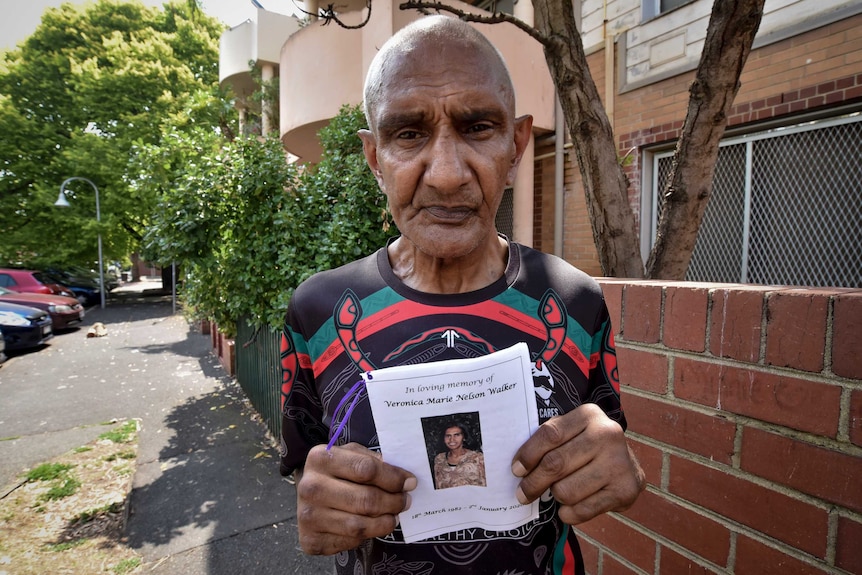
(491, 402)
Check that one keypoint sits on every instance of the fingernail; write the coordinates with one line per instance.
(522, 499)
(518, 470)
(409, 484)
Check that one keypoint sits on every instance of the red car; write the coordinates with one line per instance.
(64, 311)
(29, 281)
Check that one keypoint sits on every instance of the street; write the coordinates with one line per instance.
(207, 498)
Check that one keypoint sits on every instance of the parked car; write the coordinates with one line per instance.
(24, 327)
(30, 281)
(64, 311)
(82, 283)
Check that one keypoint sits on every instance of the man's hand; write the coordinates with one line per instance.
(347, 495)
(584, 459)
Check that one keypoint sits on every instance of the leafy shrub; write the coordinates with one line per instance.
(247, 227)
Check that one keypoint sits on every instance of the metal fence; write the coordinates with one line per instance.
(786, 207)
(258, 371)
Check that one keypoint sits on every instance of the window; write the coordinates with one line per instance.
(786, 207)
(653, 8)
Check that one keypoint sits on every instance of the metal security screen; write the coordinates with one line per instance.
(786, 207)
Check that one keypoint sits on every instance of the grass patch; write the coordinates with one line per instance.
(68, 515)
(127, 565)
(62, 488)
(121, 434)
(121, 455)
(63, 483)
(90, 514)
(64, 546)
(48, 472)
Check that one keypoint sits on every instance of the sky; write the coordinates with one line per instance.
(20, 17)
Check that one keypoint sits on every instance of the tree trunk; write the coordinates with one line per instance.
(731, 32)
(605, 183)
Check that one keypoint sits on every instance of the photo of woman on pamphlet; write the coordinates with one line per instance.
(454, 442)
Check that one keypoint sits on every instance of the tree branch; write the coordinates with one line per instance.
(425, 7)
(328, 15)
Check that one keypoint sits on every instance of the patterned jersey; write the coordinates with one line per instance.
(360, 317)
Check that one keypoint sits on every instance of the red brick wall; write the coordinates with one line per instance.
(744, 406)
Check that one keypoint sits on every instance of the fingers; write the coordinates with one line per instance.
(583, 458)
(325, 531)
(557, 449)
(346, 495)
(357, 464)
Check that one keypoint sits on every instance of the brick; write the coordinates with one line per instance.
(650, 460)
(642, 313)
(630, 544)
(642, 369)
(755, 557)
(817, 471)
(613, 292)
(735, 324)
(610, 566)
(685, 318)
(792, 402)
(676, 564)
(697, 533)
(796, 329)
(848, 551)
(590, 554)
(856, 417)
(689, 430)
(794, 522)
(847, 336)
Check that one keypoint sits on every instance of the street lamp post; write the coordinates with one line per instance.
(64, 203)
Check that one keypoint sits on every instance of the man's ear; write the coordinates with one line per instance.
(523, 132)
(369, 148)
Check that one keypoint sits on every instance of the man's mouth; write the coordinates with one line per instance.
(449, 214)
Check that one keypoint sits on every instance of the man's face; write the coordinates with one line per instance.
(445, 147)
(454, 438)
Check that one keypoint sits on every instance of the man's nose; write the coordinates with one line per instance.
(446, 168)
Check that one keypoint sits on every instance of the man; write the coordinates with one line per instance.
(443, 144)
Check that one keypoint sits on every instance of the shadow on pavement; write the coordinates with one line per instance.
(212, 502)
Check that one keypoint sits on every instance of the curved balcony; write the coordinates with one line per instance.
(258, 39)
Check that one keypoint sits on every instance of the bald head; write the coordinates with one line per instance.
(431, 32)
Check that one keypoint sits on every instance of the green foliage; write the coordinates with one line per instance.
(48, 471)
(248, 227)
(90, 86)
(63, 483)
(126, 565)
(121, 434)
(91, 514)
(63, 487)
(121, 455)
(65, 546)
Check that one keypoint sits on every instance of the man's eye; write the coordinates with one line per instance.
(408, 135)
(476, 128)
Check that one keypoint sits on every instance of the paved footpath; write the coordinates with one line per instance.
(207, 498)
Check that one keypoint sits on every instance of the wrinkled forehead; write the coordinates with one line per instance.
(434, 60)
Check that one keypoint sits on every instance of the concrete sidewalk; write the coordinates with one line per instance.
(207, 498)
